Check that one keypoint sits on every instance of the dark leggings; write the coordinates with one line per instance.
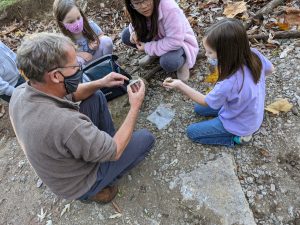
(141, 142)
(170, 62)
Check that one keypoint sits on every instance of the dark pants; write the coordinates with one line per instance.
(95, 107)
(21, 80)
(170, 62)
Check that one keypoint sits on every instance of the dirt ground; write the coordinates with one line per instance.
(268, 167)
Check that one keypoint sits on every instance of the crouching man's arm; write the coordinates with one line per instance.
(85, 90)
(123, 135)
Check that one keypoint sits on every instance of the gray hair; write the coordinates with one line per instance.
(41, 52)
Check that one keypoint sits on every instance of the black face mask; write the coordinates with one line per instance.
(71, 82)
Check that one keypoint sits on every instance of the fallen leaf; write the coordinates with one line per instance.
(213, 77)
(264, 152)
(283, 26)
(234, 8)
(281, 105)
(292, 16)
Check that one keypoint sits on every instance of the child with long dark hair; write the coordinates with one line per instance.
(87, 35)
(160, 29)
(237, 100)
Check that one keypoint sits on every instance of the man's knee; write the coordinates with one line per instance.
(147, 138)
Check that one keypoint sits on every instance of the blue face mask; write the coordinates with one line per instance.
(213, 62)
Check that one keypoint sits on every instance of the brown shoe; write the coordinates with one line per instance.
(106, 195)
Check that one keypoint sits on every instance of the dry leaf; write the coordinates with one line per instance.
(292, 16)
(234, 8)
(213, 77)
(264, 152)
(283, 26)
(281, 105)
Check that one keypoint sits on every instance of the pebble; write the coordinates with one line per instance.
(273, 187)
(250, 180)
(39, 183)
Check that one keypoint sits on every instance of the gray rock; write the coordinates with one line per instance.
(216, 188)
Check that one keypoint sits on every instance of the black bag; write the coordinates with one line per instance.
(99, 68)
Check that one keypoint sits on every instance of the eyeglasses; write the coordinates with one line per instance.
(138, 5)
(63, 67)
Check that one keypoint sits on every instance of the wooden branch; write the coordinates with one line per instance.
(277, 35)
(265, 10)
(152, 72)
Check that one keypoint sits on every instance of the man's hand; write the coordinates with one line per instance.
(113, 79)
(85, 55)
(133, 38)
(170, 83)
(136, 94)
(140, 46)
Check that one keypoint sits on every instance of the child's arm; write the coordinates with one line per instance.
(196, 96)
(85, 55)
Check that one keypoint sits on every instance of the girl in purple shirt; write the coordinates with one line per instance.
(160, 29)
(237, 100)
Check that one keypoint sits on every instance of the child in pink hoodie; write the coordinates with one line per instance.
(160, 29)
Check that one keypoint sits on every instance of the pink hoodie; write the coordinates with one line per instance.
(174, 32)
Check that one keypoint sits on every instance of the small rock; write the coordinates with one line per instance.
(250, 180)
(39, 183)
(129, 178)
(273, 187)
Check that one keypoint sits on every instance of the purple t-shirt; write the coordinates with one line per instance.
(241, 110)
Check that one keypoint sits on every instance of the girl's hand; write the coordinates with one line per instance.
(85, 55)
(93, 45)
(170, 83)
(140, 46)
(133, 38)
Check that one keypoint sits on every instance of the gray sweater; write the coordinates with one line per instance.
(62, 145)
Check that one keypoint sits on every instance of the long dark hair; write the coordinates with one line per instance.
(229, 39)
(61, 9)
(139, 23)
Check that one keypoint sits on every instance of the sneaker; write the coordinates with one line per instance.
(242, 139)
(106, 195)
(183, 73)
(146, 60)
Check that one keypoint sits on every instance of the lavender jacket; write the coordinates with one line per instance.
(174, 32)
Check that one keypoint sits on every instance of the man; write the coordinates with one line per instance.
(77, 154)
(9, 74)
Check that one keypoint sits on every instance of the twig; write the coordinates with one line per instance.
(116, 207)
(263, 11)
(152, 72)
(277, 35)
(11, 30)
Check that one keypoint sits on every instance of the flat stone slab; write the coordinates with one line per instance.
(214, 193)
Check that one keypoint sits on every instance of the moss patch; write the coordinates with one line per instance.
(5, 3)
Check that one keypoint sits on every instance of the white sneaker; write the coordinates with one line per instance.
(183, 73)
(242, 139)
(146, 60)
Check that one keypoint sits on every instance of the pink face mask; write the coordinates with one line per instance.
(76, 27)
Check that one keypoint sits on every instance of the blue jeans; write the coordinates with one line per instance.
(210, 131)
(21, 80)
(141, 142)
